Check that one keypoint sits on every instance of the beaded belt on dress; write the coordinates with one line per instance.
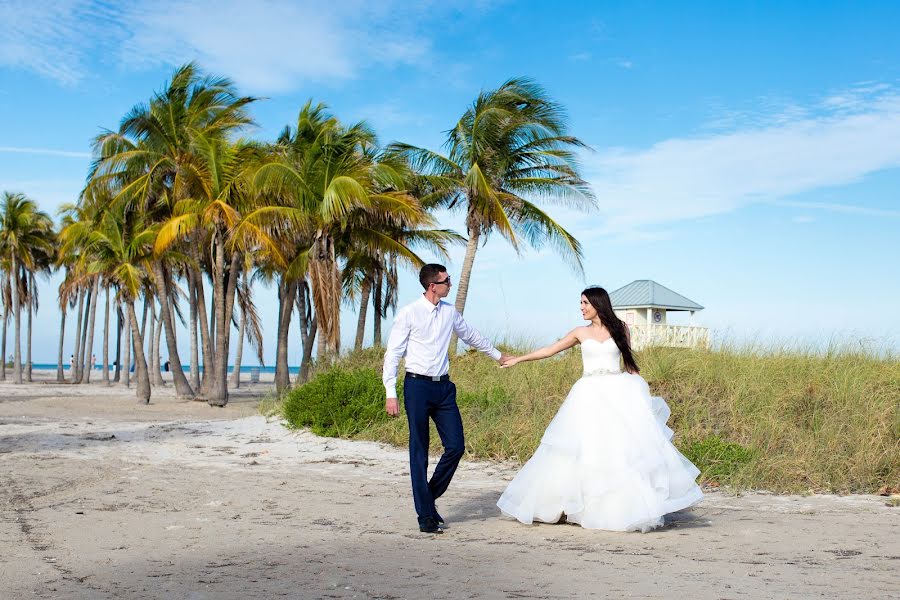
(602, 372)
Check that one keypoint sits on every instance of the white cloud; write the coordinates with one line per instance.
(266, 46)
(687, 178)
(42, 38)
(273, 45)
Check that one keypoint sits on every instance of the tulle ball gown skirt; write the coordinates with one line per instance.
(606, 461)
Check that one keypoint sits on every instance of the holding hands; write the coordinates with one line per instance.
(508, 360)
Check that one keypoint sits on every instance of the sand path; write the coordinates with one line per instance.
(102, 498)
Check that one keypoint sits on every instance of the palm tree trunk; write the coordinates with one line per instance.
(326, 287)
(148, 336)
(308, 329)
(219, 391)
(230, 285)
(213, 322)
(76, 355)
(363, 309)
(17, 351)
(144, 321)
(5, 322)
(306, 361)
(105, 375)
(378, 308)
(89, 348)
(126, 361)
(286, 297)
(182, 388)
(231, 281)
(60, 374)
(462, 288)
(120, 319)
(238, 353)
(142, 389)
(150, 341)
(195, 354)
(156, 375)
(80, 360)
(30, 306)
(205, 340)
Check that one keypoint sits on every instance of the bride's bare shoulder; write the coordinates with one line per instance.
(579, 333)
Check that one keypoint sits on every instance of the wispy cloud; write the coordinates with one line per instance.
(44, 151)
(46, 39)
(266, 46)
(842, 208)
(580, 57)
(831, 143)
(273, 45)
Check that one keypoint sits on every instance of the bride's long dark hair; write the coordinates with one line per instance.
(599, 299)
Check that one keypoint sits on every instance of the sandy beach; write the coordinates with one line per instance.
(103, 498)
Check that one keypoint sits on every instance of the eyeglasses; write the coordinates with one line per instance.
(446, 281)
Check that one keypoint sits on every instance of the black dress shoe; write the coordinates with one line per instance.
(429, 525)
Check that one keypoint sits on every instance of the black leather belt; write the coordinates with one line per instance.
(428, 377)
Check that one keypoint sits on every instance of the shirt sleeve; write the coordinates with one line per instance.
(471, 337)
(396, 348)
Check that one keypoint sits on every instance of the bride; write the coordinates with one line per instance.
(606, 460)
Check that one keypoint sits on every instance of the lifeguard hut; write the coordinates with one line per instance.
(643, 305)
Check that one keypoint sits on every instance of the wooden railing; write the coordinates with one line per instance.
(679, 336)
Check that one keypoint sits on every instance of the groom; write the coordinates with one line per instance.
(421, 331)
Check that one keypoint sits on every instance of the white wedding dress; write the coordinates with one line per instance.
(606, 460)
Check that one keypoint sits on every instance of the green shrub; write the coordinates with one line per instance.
(776, 419)
(337, 403)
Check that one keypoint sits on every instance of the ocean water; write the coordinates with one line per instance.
(187, 369)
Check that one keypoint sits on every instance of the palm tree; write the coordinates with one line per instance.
(509, 150)
(154, 156)
(215, 212)
(321, 173)
(123, 247)
(79, 221)
(6, 294)
(43, 262)
(249, 327)
(24, 233)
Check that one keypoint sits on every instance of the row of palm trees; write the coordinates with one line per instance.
(180, 210)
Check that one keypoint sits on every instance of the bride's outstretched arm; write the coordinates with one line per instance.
(566, 342)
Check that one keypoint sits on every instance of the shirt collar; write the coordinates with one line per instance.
(428, 305)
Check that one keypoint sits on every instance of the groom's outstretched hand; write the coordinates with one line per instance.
(392, 406)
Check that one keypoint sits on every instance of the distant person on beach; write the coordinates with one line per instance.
(71, 362)
(421, 332)
(606, 461)
(93, 361)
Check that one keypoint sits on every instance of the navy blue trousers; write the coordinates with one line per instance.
(424, 399)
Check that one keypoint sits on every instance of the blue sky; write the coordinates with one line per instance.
(747, 155)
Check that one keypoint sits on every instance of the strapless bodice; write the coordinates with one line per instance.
(600, 358)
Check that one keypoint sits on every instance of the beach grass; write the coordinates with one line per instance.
(783, 420)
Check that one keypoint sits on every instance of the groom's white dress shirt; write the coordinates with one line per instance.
(422, 332)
